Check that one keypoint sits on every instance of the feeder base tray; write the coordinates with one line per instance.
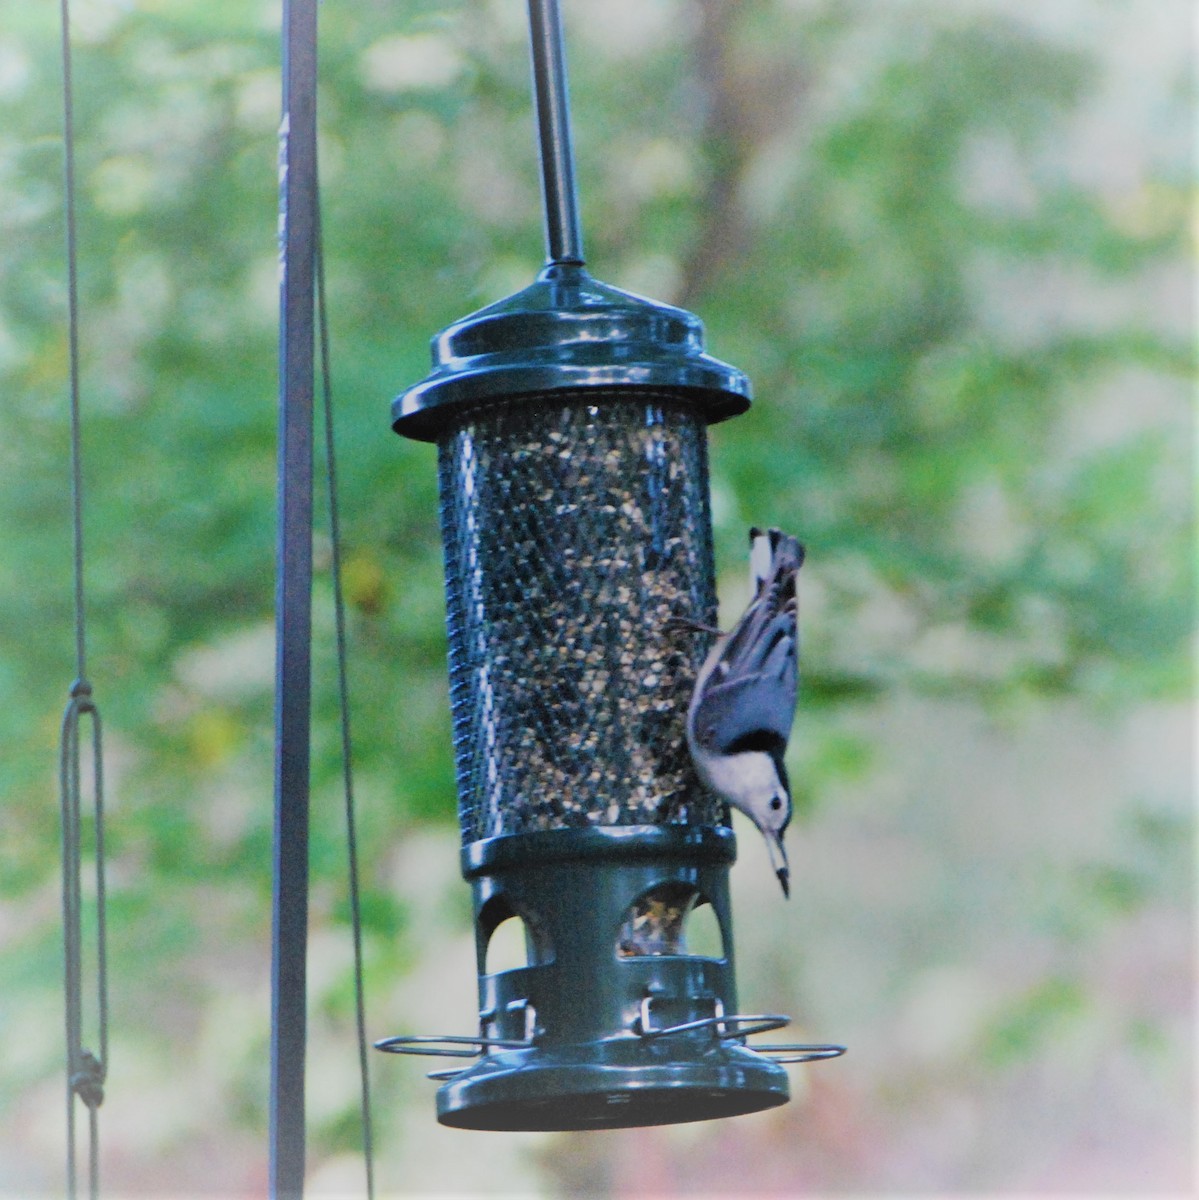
(609, 1086)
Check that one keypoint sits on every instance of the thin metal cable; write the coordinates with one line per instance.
(343, 689)
(86, 1071)
(68, 105)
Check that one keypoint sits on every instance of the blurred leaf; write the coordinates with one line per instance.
(1039, 1016)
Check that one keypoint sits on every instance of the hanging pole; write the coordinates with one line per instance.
(563, 238)
(293, 600)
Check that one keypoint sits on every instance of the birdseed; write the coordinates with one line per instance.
(574, 529)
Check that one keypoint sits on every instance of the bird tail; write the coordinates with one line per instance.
(772, 553)
(760, 553)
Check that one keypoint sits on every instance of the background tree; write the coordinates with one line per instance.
(948, 243)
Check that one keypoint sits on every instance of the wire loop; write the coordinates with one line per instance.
(797, 1052)
(728, 1026)
(86, 1069)
(435, 1044)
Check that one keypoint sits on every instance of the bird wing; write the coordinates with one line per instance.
(752, 692)
(749, 698)
(746, 714)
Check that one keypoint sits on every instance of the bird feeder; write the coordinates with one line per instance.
(570, 421)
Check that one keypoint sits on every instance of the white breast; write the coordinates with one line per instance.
(744, 780)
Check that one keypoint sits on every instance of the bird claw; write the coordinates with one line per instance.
(691, 626)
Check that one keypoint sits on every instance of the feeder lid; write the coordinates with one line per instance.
(568, 331)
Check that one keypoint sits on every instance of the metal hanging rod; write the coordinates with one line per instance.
(563, 238)
(293, 600)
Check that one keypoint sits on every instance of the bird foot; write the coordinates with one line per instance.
(692, 626)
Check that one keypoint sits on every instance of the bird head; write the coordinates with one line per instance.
(770, 811)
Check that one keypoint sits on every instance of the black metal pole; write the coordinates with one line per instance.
(293, 599)
(563, 239)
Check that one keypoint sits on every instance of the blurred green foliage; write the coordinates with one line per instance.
(870, 226)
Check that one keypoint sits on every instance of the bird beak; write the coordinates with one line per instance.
(778, 860)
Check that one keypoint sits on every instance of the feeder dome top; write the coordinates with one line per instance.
(564, 332)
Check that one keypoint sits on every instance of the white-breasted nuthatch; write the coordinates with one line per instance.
(743, 706)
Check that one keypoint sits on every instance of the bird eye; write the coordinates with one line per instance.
(775, 803)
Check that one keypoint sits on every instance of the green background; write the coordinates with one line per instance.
(950, 243)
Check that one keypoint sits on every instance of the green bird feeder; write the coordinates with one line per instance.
(570, 421)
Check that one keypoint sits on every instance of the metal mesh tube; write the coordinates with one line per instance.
(575, 525)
